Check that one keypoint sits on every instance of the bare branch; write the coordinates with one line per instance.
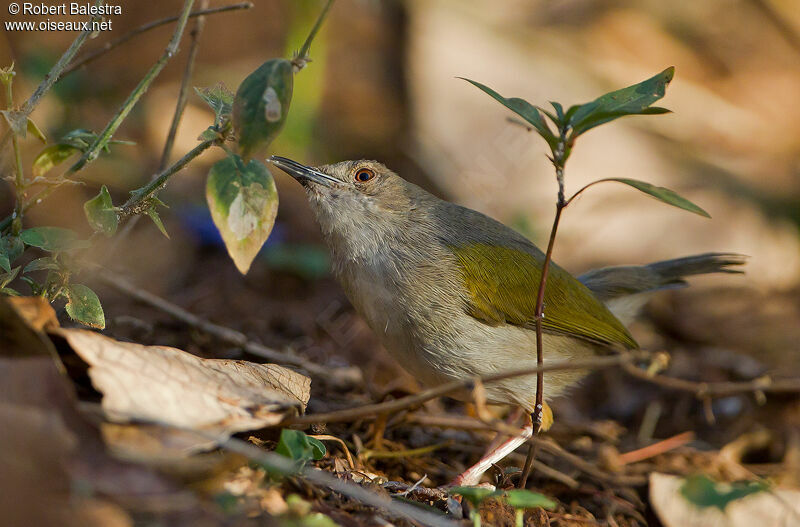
(108, 46)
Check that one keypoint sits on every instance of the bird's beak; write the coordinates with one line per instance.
(302, 173)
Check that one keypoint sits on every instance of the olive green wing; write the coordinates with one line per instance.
(502, 284)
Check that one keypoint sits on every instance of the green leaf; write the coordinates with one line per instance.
(33, 129)
(703, 492)
(261, 105)
(219, 98)
(40, 264)
(208, 134)
(101, 214)
(11, 248)
(662, 194)
(522, 108)
(79, 138)
(36, 287)
(10, 292)
(52, 239)
(296, 445)
(525, 499)
(83, 306)
(475, 495)
(51, 156)
(633, 100)
(243, 203)
(152, 213)
(7, 278)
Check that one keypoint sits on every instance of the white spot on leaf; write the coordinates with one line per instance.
(272, 105)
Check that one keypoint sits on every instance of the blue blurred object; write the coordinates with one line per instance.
(307, 261)
(196, 220)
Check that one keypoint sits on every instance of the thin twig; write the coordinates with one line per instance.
(344, 377)
(352, 414)
(289, 467)
(325, 479)
(180, 106)
(103, 137)
(302, 58)
(19, 175)
(326, 437)
(140, 199)
(657, 448)
(194, 35)
(108, 46)
(57, 71)
(703, 390)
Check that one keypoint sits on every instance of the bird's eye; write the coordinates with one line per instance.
(364, 174)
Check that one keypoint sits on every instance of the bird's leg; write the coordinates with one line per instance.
(511, 420)
(472, 475)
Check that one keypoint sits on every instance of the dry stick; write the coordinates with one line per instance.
(336, 376)
(325, 479)
(194, 35)
(705, 390)
(108, 46)
(671, 443)
(352, 414)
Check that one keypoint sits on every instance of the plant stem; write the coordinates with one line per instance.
(140, 199)
(52, 76)
(184, 89)
(108, 46)
(176, 118)
(19, 176)
(558, 161)
(103, 138)
(301, 59)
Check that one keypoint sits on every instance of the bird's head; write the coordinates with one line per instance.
(361, 203)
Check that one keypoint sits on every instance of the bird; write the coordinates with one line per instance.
(451, 293)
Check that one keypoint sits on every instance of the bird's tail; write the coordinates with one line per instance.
(625, 289)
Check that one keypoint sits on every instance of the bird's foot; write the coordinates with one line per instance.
(472, 476)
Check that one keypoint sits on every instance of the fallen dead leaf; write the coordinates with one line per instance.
(37, 313)
(777, 507)
(168, 386)
(21, 323)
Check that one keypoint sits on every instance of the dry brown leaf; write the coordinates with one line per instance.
(35, 311)
(776, 507)
(21, 322)
(167, 386)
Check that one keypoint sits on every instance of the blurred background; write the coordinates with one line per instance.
(382, 85)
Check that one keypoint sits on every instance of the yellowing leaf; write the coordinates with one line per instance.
(51, 156)
(243, 203)
(36, 131)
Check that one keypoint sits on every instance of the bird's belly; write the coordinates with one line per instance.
(437, 348)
